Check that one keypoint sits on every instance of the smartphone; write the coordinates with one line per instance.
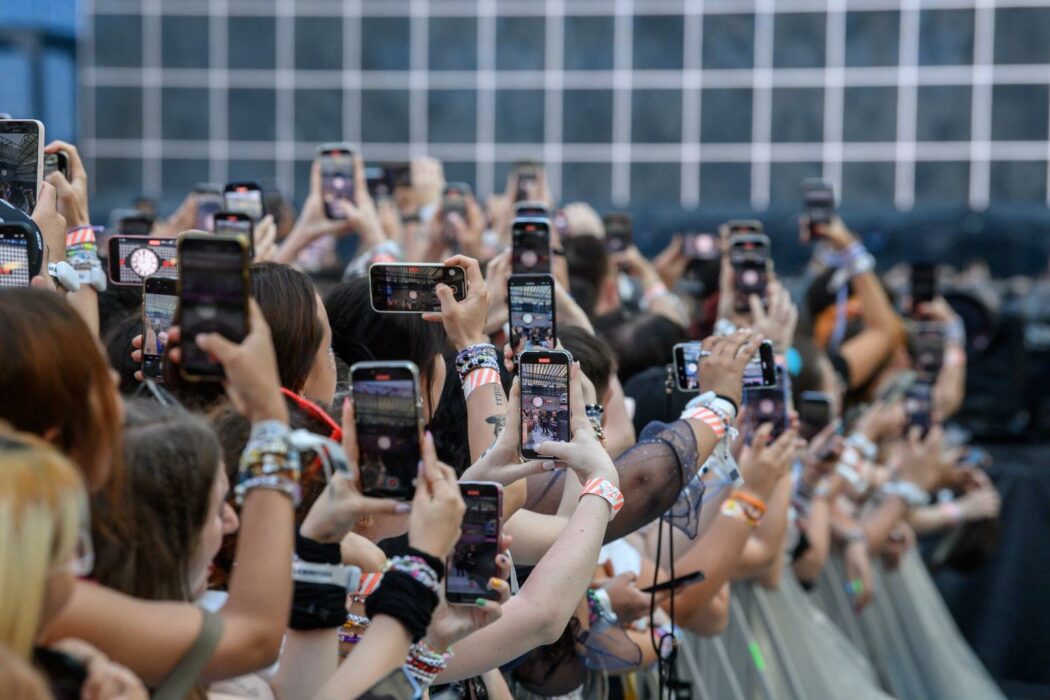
(675, 583)
(897, 388)
(137, 225)
(337, 177)
(21, 162)
(814, 413)
(530, 300)
(210, 200)
(244, 198)
(544, 376)
(531, 210)
(453, 201)
(388, 414)
(409, 287)
(701, 246)
(761, 370)
(619, 233)
(744, 226)
(134, 258)
(472, 562)
(214, 289)
(160, 298)
(818, 202)
(687, 365)
(57, 162)
(749, 254)
(21, 254)
(923, 285)
(229, 223)
(528, 180)
(918, 406)
(378, 186)
(927, 348)
(767, 405)
(531, 246)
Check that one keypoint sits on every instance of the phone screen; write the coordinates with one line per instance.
(750, 274)
(387, 419)
(528, 182)
(814, 413)
(244, 199)
(473, 560)
(927, 347)
(762, 369)
(687, 366)
(531, 239)
(818, 200)
(209, 202)
(14, 257)
(337, 180)
(159, 302)
(19, 166)
(531, 303)
(213, 298)
(544, 399)
(236, 225)
(923, 284)
(918, 406)
(767, 405)
(619, 235)
(409, 288)
(57, 162)
(134, 258)
(701, 246)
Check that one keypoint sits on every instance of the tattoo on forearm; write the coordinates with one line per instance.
(497, 393)
(497, 422)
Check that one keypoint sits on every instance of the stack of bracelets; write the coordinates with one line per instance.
(425, 664)
(269, 462)
(595, 412)
(409, 591)
(743, 506)
(477, 365)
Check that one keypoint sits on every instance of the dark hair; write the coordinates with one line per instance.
(588, 268)
(596, 358)
(118, 349)
(360, 334)
(171, 457)
(645, 341)
(289, 302)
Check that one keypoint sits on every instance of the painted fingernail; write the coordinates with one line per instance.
(548, 465)
(495, 582)
(419, 468)
(480, 602)
(403, 508)
(346, 403)
(502, 558)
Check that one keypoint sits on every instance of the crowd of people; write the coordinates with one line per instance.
(181, 539)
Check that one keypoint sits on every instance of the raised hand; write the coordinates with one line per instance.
(502, 463)
(452, 623)
(584, 454)
(763, 463)
(72, 193)
(923, 461)
(465, 320)
(437, 509)
(723, 370)
(776, 320)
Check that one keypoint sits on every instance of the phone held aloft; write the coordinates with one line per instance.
(472, 563)
(767, 404)
(759, 372)
(749, 255)
(544, 379)
(411, 288)
(336, 161)
(160, 300)
(530, 301)
(818, 203)
(388, 415)
(214, 289)
(530, 246)
(21, 253)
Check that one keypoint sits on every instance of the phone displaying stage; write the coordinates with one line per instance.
(918, 407)
(244, 198)
(21, 162)
(619, 232)
(531, 246)
(749, 254)
(814, 413)
(818, 202)
(701, 246)
(687, 365)
(229, 223)
(337, 177)
(530, 299)
(473, 560)
(16, 268)
(927, 348)
(209, 202)
(767, 405)
(57, 162)
(213, 297)
(528, 179)
(762, 369)
(387, 413)
(410, 287)
(544, 377)
(160, 299)
(134, 258)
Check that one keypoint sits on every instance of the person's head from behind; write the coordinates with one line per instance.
(591, 277)
(596, 358)
(56, 382)
(43, 519)
(300, 330)
(645, 341)
(361, 334)
(174, 487)
(118, 350)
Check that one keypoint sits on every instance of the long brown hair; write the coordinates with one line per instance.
(53, 378)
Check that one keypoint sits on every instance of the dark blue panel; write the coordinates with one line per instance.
(519, 116)
(946, 37)
(656, 183)
(384, 115)
(725, 115)
(656, 116)
(184, 114)
(798, 115)
(785, 181)
(868, 183)
(725, 183)
(1018, 181)
(318, 115)
(1019, 112)
(384, 43)
(872, 38)
(452, 116)
(869, 114)
(178, 176)
(461, 171)
(729, 41)
(118, 40)
(252, 42)
(123, 178)
(520, 43)
(16, 89)
(1021, 35)
(261, 171)
(798, 40)
(453, 43)
(184, 42)
(587, 116)
(586, 182)
(943, 113)
(60, 90)
(588, 43)
(658, 42)
(252, 115)
(319, 43)
(118, 113)
(942, 182)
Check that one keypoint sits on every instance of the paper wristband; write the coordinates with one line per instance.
(604, 489)
(709, 418)
(478, 378)
(83, 234)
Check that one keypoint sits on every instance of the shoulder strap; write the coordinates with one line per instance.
(183, 677)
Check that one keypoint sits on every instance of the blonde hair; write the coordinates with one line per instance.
(42, 506)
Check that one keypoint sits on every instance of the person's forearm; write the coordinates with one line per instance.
(818, 535)
(768, 537)
(876, 310)
(933, 518)
(308, 659)
(619, 429)
(537, 615)
(289, 249)
(533, 535)
(879, 523)
(716, 554)
(950, 388)
(85, 301)
(486, 416)
(379, 652)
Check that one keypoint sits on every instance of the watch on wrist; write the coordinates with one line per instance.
(64, 275)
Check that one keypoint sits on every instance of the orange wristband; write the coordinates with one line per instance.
(756, 503)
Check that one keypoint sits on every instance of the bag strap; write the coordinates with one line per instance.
(183, 677)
